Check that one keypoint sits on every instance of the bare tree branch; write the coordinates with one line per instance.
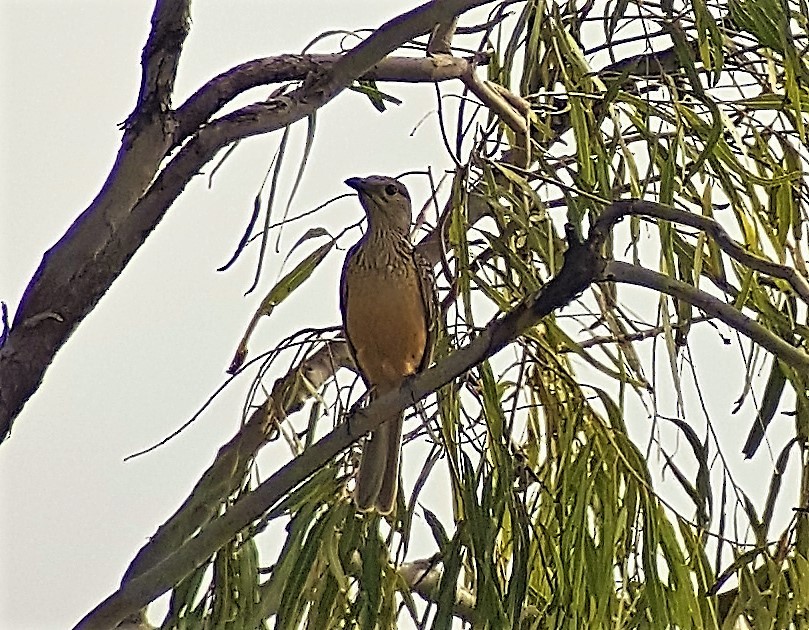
(620, 209)
(76, 272)
(79, 268)
(220, 90)
(616, 271)
(159, 60)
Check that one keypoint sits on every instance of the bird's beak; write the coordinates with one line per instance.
(357, 183)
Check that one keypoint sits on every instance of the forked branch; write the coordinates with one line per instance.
(78, 270)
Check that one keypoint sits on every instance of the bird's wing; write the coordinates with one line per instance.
(429, 297)
(344, 301)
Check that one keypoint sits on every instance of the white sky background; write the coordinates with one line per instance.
(73, 513)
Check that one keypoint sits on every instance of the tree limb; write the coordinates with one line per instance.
(581, 267)
(159, 60)
(616, 211)
(616, 271)
(76, 272)
(223, 88)
(80, 267)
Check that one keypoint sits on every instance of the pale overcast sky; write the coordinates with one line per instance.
(74, 514)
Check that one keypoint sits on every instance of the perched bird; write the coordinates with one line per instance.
(387, 299)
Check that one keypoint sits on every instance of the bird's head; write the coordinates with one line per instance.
(386, 202)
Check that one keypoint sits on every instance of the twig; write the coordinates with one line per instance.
(616, 211)
(616, 271)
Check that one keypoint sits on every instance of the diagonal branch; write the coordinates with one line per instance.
(733, 317)
(620, 209)
(223, 88)
(581, 267)
(616, 271)
(80, 267)
(159, 60)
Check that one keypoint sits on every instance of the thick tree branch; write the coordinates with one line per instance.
(393, 34)
(80, 267)
(220, 90)
(581, 267)
(159, 60)
(76, 272)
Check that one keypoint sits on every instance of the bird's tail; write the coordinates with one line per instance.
(378, 475)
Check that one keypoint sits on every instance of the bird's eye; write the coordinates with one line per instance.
(391, 190)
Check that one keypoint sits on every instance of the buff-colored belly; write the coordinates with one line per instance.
(385, 323)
